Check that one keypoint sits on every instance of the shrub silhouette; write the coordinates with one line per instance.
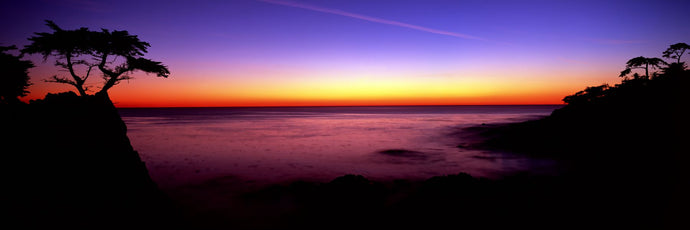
(14, 76)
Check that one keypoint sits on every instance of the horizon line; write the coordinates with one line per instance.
(297, 106)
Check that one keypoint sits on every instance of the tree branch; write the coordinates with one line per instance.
(679, 54)
(88, 72)
(63, 80)
(101, 66)
(69, 64)
(122, 78)
(78, 82)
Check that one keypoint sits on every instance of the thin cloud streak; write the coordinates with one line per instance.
(371, 19)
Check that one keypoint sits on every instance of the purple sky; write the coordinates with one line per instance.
(353, 48)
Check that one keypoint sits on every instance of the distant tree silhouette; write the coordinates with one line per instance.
(74, 47)
(641, 63)
(588, 95)
(639, 85)
(14, 76)
(676, 51)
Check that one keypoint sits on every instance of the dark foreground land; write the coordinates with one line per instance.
(68, 163)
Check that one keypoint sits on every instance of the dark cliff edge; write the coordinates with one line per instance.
(640, 124)
(67, 162)
(627, 140)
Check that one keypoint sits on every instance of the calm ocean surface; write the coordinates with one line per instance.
(191, 146)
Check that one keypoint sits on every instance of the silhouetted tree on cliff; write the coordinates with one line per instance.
(14, 76)
(116, 54)
(641, 63)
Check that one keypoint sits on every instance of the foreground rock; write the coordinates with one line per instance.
(68, 163)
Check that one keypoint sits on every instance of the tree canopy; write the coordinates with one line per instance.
(641, 63)
(676, 51)
(14, 76)
(116, 54)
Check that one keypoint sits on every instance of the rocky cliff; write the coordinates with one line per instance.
(68, 162)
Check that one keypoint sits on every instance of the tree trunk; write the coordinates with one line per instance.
(112, 76)
(108, 84)
(104, 95)
(79, 83)
(81, 90)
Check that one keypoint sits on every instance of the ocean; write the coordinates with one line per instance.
(260, 146)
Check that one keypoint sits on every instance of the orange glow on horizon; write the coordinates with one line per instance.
(140, 95)
(337, 88)
(210, 100)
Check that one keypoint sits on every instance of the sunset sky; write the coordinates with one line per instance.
(308, 52)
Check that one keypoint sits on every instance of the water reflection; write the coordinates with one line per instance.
(183, 146)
